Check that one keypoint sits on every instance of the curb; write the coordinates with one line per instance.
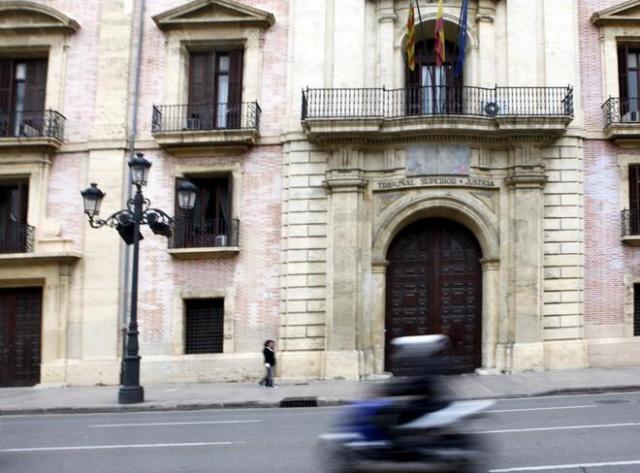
(322, 402)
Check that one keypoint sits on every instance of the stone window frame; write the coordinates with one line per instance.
(180, 313)
(233, 170)
(36, 172)
(182, 34)
(48, 34)
(617, 27)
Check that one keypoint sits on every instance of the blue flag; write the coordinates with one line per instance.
(462, 39)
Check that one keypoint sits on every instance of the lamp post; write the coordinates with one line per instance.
(127, 222)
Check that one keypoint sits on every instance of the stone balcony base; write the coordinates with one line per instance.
(436, 127)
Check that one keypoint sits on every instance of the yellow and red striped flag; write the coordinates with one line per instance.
(411, 38)
(439, 35)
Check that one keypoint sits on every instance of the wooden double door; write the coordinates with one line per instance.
(434, 285)
(20, 336)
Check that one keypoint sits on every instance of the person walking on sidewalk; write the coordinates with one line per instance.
(269, 353)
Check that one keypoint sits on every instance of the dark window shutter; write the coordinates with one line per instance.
(23, 191)
(236, 67)
(36, 85)
(623, 71)
(636, 310)
(201, 88)
(36, 90)
(634, 198)
(6, 96)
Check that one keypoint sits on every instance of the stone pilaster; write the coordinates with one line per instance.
(386, 24)
(526, 183)
(487, 41)
(346, 184)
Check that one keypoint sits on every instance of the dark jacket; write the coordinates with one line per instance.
(269, 356)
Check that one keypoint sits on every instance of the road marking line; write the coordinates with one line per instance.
(114, 447)
(161, 424)
(541, 409)
(567, 427)
(566, 467)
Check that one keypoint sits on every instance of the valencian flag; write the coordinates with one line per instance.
(462, 39)
(411, 38)
(439, 35)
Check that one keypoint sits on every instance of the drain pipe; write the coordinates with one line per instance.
(131, 145)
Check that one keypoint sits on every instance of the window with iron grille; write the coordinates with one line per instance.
(204, 326)
(636, 310)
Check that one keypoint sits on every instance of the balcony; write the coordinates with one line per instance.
(476, 112)
(198, 239)
(622, 117)
(178, 127)
(39, 129)
(16, 238)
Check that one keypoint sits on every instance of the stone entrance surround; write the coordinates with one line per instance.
(513, 204)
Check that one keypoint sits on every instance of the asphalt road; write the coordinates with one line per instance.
(569, 434)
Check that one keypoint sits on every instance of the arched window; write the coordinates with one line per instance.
(433, 89)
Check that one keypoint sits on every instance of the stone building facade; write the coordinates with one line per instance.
(344, 199)
(609, 36)
(417, 201)
(210, 109)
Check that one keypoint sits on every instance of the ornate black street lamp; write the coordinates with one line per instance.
(127, 222)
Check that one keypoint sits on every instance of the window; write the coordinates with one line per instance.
(22, 96)
(209, 224)
(14, 231)
(204, 326)
(433, 89)
(215, 90)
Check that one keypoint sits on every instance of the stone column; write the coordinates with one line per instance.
(346, 184)
(526, 241)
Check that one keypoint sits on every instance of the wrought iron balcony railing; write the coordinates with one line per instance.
(29, 124)
(622, 110)
(201, 233)
(631, 222)
(16, 238)
(206, 117)
(437, 101)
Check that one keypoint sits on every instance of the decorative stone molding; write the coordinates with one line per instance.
(23, 16)
(622, 14)
(209, 13)
(449, 128)
(338, 181)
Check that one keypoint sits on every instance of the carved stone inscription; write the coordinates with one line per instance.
(426, 160)
(435, 181)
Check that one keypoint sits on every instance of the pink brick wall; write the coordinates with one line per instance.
(253, 274)
(607, 260)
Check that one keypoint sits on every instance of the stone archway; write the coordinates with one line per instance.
(470, 213)
(434, 285)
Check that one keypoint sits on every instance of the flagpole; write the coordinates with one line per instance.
(419, 14)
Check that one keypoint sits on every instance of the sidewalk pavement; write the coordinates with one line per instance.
(51, 400)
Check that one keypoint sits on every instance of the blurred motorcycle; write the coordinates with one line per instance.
(408, 426)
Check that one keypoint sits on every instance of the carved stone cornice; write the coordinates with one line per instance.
(349, 181)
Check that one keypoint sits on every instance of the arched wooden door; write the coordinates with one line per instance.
(434, 285)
